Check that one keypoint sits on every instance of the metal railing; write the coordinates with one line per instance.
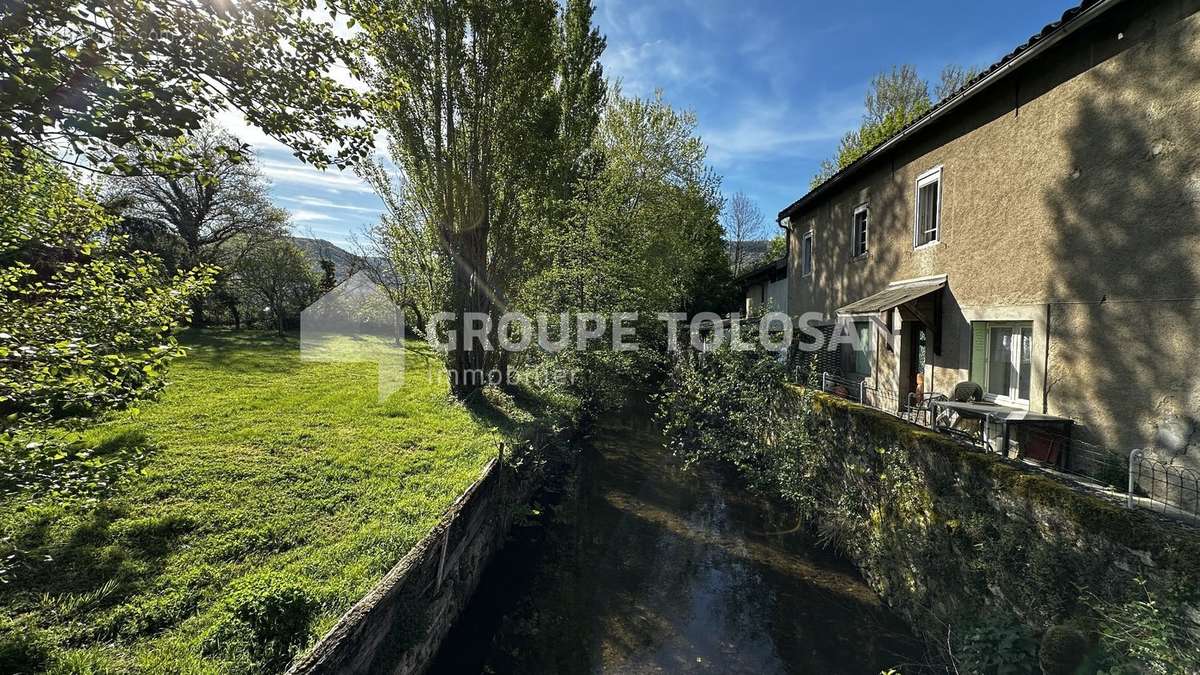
(1162, 487)
(855, 390)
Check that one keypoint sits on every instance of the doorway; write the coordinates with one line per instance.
(916, 363)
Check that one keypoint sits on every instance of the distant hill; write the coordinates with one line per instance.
(344, 262)
(753, 251)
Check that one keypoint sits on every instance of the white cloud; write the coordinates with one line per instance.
(293, 172)
(763, 129)
(307, 216)
(317, 202)
(657, 64)
(235, 122)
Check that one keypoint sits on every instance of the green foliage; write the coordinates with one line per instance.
(998, 646)
(328, 276)
(953, 78)
(1063, 650)
(22, 652)
(735, 406)
(895, 99)
(643, 236)
(265, 618)
(85, 325)
(1148, 633)
(467, 98)
(262, 465)
(931, 523)
(133, 75)
(207, 214)
(581, 90)
(276, 274)
(777, 247)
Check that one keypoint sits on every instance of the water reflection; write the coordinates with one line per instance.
(647, 568)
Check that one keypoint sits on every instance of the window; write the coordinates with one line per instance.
(860, 355)
(929, 208)
(806, 254)
(1001, 358)
(859, 232)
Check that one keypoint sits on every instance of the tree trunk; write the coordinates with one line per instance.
(197, 303)
(466, 361)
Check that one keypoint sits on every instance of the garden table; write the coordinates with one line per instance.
(1006, 417)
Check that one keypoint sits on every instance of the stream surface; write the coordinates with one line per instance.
(645, 567)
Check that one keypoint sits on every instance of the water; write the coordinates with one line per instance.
(653, 569)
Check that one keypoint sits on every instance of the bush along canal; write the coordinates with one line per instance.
(637, 565)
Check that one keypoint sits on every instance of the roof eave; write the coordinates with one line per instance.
(1084, 18)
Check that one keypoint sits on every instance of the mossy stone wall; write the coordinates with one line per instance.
(947, 534)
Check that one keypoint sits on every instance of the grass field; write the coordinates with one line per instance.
(272, 494)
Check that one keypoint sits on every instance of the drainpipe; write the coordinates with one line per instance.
(1046, 366)
(786, 224)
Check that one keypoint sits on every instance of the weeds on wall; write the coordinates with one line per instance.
(947, 537)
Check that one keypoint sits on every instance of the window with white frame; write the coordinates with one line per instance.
(1008, 357)
(929, 208)
(806, 254)
(858, 234)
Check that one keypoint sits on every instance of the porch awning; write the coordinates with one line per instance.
(891, 297)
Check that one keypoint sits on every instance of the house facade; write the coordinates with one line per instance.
(1037, 233)
(764, 288)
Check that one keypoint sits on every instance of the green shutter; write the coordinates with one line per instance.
(978, 351)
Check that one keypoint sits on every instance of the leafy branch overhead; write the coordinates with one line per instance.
(895, 99)
(114, 79)
(86, 323)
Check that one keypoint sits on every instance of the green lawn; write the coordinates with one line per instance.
(273, 494)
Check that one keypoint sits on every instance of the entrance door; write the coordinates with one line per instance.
(916, 363)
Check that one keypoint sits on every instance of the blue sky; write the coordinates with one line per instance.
(774, 85)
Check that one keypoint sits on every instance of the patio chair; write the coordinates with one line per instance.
(965, 392)
(921, 411)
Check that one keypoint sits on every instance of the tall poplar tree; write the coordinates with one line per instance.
(466, 89)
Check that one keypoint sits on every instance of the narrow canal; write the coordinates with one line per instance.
(649, 568)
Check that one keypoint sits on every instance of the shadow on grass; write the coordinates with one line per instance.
(519, 413)
(73, 470)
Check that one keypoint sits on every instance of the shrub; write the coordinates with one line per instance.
(998, 645)
(22, 651)
(1159, 634)
(85, 323)
(1063, 650)
(267, 619)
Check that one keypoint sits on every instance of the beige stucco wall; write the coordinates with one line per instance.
(1074, 180)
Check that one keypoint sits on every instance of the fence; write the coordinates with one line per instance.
(1162, 487)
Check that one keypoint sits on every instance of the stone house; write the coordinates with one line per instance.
(1037, 233)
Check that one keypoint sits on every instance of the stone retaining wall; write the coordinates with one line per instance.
(399, 625)
(948, 535)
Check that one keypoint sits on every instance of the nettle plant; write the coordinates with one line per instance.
(85, 327)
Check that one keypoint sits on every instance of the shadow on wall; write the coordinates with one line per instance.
(1126, 241)
(837, 278)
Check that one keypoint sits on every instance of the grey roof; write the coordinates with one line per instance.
(891, 297)
(1073, 17)
(764, 269)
